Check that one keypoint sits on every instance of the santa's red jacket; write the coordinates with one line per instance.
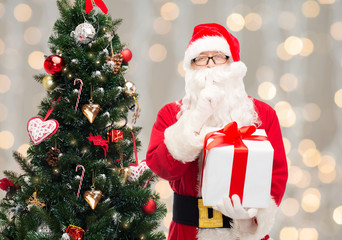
(183, 177)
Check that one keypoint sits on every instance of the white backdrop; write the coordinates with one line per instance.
(293, 51)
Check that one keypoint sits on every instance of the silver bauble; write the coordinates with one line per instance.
(84, 33)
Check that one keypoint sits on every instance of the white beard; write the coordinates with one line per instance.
(236, 106)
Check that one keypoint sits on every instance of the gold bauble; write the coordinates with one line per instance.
(49, 83)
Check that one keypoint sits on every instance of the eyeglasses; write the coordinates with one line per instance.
(204, 60)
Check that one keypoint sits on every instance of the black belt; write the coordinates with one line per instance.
(190, 211)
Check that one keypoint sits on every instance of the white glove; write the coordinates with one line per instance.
(235, 210)
(208, 101)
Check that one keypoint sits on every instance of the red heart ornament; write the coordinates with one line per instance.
(137, 171)
(39, 130)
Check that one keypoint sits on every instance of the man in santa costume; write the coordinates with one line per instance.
(214, 96)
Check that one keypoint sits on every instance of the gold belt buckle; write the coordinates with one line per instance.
(204, 221)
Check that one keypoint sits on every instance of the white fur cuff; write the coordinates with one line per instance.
(182, 142)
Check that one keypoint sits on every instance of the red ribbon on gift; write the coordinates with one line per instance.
(99, 3)
(232, 135)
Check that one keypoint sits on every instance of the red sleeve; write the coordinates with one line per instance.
(158, 157)
(271, 125)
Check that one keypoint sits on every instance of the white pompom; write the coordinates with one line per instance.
(238, 69)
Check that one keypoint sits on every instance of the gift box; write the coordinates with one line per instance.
(74, 232)
(237, 161)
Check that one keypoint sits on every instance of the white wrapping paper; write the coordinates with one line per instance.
(218, 168)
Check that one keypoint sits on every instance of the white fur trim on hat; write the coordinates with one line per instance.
(204, 44)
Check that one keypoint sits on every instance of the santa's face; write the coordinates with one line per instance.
(235, 106)
(209, 59)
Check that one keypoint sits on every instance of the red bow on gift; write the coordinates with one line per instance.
(232, 135)
(99, 142)
(99, 3)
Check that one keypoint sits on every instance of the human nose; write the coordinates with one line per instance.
(211, 63)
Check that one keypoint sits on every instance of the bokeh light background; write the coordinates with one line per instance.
(293, 51)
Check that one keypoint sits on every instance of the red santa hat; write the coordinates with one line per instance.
(211, 37)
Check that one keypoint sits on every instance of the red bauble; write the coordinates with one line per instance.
(149, 207)
(54, 64)
(126, 55)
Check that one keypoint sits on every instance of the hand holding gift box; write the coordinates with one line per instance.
(237, 161)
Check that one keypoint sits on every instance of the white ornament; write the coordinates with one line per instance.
(39, 130)
(84, 33)
(137, 171)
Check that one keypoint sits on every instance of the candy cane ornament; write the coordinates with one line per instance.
(79, 92)
(79, 188)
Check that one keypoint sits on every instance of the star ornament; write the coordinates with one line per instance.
(34, 200)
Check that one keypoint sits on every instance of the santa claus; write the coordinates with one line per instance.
(214, 96)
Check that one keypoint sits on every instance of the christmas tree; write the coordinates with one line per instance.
(82, 178)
